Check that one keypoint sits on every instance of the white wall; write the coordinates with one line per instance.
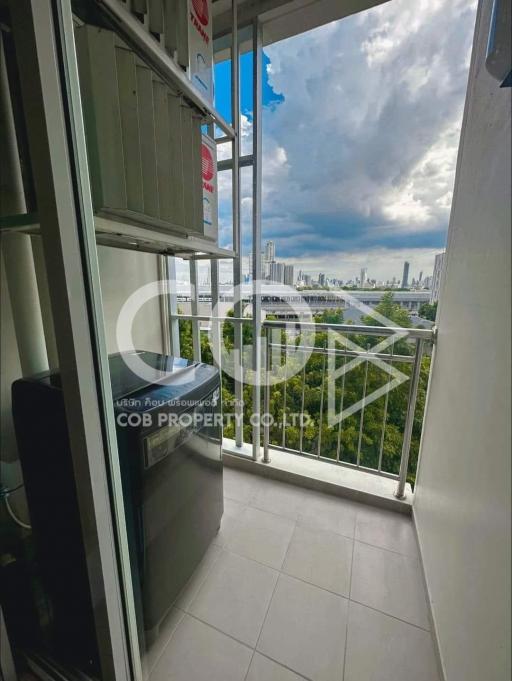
(121, 272)
(462, 499)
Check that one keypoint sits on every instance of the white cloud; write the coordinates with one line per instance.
(370, 120)
(359, 159)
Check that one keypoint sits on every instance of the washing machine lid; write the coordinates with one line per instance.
(125, 382)
(186, 382)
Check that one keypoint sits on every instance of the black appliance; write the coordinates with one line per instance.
(169, 441)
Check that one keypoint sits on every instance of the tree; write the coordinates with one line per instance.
(378, 430)
(428, 311)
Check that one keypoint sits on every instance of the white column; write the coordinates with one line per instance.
(26, 311)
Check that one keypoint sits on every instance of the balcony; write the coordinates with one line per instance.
(339, 557)
(343, 394)
(316, 561)
(300, 585)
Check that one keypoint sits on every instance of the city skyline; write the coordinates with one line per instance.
(292, 275)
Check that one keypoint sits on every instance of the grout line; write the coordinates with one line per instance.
(348, 611)
(250, 663)
(212, 626)
(394, 617)
(276, 515)
(316, 586)
(384, 548)
(284, 666)
(322, 588)
(320, 529)
(155, 663)
(274, 590)
(262, 625)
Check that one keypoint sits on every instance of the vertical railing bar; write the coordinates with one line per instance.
(216, 326)
(237, 232)
(301, 435)
(409, 419)
(164, 304)
(385, 416)
(283, 436)
(194, 304)
(256, 235)
(174, 323)
(361, 420)
(321, 404)
(342, 401)
(266, 400)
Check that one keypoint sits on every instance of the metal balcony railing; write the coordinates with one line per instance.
(370, 375)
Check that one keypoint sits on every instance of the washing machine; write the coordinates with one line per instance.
(168, 423)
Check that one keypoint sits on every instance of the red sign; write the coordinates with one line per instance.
(206, 163)
(201, 10)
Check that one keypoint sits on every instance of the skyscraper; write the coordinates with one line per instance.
(270, 251)
(405, 275)
(321, 279)
(288, 275)
(277, 272)
(364, 277)
(436, 277)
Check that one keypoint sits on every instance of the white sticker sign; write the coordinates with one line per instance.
(200, 46)
(209, 179)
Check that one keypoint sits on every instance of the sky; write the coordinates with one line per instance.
(361, 125)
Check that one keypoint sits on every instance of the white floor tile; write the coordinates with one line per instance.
(279, 498)
(321, 558)
(393, 531)
(197, 652)
(232, 508)
(261, 536)
(389, 582)
(193, 585)
(240, 486)
(167, 628)
(305, 630)
(263, 669)
(327, 512)
(235, 597)
(381, 648)
(232, 512)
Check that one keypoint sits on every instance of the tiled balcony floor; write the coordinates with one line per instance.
(300, 585)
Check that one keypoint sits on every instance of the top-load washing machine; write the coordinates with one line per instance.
(169, 442)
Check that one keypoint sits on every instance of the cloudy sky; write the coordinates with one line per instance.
(361, 126)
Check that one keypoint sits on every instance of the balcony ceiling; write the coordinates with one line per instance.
(284, 18)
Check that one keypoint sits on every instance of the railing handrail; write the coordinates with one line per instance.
(344, 352)
(420, 336)
(424, 334)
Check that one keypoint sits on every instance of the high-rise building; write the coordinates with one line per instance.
(288, 275)
(277, 272)
(270, 251)
(364, 277)
(321, 279)
(405, 275)
(436, 277)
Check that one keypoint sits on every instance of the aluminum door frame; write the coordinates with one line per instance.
(43, 34)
